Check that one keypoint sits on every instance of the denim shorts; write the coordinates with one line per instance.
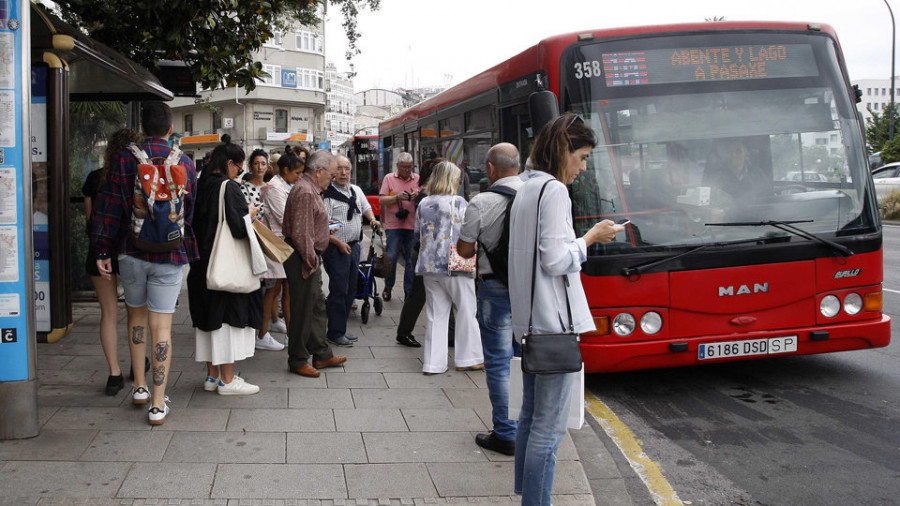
(149, 284)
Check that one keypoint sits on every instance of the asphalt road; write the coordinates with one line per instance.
(817, 430)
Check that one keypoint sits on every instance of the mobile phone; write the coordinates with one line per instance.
(334, 226)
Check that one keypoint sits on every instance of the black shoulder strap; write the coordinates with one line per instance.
(502, 190)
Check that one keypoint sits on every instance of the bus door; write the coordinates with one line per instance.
(515, 128)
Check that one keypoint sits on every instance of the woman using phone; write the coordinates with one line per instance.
(541, 232)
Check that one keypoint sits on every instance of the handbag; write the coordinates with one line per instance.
(230, 262)
(456, 264)
(381, 264)
(273, 246)
(549, 353)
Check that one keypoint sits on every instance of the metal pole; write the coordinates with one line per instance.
(893, 73)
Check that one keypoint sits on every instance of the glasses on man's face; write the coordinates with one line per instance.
(405, 165)
(343, 169)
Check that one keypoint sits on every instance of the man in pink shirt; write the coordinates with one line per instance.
(398, 191)
(305, 227)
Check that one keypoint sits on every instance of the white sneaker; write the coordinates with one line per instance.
(237, 387)
(158, 416)
(279, 326)
(140, 395)
(210, 384)
(268, 343)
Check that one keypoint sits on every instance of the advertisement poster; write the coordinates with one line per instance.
(7, 60)
(9, 255)
(8, 213)
(40, 191)
(8, 119)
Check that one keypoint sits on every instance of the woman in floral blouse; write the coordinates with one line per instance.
(253, 182)
(438, 220)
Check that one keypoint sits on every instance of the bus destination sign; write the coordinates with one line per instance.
(722, 63)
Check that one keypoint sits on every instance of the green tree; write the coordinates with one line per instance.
(878, 127)
(890, 152)
(216, 38)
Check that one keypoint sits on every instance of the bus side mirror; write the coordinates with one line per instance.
(543, 107)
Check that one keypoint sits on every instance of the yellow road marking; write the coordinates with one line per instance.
(648, 470)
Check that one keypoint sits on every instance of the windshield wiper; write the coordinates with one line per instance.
(787, 226)
(637, 270)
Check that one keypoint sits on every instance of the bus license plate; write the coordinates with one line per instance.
(771, 346)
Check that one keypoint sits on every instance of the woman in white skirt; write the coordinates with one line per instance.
(438, 221)
(225, 323)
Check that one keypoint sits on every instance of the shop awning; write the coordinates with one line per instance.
(96, 72)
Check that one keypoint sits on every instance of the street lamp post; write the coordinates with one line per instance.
(893, 59)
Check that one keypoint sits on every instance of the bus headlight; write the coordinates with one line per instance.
(623, 324)
(853, 303)
(651, 322)
(830, 306)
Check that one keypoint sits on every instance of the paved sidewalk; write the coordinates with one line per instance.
(375, 431)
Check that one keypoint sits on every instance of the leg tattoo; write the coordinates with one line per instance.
(159, 375)
(162, 352)
(137, 335)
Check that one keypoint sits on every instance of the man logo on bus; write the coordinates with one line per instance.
(743, 289)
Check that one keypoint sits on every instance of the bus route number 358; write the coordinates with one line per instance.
(588, 69)
(730, 349)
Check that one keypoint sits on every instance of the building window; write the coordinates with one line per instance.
(274, 72)
(216, 120)
(275, 40)
(281, 120)
(309, 42)
(868, 91)
(188, 124)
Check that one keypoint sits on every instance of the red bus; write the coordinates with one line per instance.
(364, 155)
(790, 264)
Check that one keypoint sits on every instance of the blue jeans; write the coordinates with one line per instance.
(150, 284)
(343, 271)
(400, 239)
(542, 427)
(495, 321)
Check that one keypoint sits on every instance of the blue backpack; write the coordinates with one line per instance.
(157, 216)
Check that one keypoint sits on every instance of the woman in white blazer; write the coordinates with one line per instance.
(560, 153)
(274, 196)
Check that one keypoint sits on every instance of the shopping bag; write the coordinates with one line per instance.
(230, 262)
(273, 246)
(576, 407)
(257, 257)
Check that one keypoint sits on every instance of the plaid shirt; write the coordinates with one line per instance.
(111, 232)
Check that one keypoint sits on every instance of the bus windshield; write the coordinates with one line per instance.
(697, 131)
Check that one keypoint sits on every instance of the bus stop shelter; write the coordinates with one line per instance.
(66, 66)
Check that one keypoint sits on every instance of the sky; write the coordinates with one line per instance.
(422, 43)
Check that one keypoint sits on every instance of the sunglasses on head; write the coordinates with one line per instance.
(575, 117)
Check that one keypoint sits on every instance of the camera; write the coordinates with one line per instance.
(402, 214)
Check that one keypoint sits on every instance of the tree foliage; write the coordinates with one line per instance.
(890, 152)
(216, 38)
(878, 128)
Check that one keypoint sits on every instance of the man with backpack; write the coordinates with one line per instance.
(487, 223)
(143, 215)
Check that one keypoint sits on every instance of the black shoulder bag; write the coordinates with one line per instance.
(549, 353)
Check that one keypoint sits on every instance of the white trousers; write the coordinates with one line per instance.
(441, 294)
